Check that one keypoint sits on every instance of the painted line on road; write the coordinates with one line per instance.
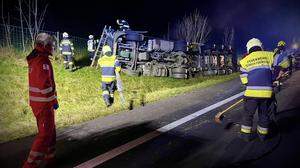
(151, 135)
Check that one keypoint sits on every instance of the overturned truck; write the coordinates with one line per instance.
(149, 56)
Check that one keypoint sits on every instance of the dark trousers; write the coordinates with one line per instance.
(108, 90)
(91, 55)
(262, 105)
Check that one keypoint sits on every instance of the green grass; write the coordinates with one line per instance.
(79, 93)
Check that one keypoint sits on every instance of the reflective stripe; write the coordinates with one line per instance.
(242, 69)
(111, 95)
(243, 75)
(71, 63)
(246, 129)
(37, 90)
(262, 130)
(36, 154)
(65, 62)
(258, 93)
(66, 53)
(118, 69)
(49, 156)
(103, 66)
(244, 80)
(108, 79)
(105, 92)
(259, 88)
(259, 67)
(284, 64)
(108, 76)
(42, 99)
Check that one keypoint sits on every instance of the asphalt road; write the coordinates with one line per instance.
(198, 142)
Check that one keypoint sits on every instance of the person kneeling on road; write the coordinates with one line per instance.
(42, 96)
(109, 67)
(257, 75)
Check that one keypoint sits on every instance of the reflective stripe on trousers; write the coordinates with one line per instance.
(246, 129)
(43, 91)
(42, 99)
(262, 130)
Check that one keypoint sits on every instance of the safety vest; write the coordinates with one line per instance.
(42, 91)
(257, 75)
(91, 45)
(109, 66)
(66, 47)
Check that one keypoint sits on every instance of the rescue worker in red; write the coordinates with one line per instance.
(42, 97)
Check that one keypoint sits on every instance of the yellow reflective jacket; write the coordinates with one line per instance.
(109, 66)
(256, 72)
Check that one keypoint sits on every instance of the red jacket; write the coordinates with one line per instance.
(42, 93)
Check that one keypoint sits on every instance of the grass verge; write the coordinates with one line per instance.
(79, 93)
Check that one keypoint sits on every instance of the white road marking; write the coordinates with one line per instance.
(134, 143)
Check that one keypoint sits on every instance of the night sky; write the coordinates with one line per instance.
(268, 20)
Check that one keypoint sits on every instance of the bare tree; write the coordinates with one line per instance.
(6, 23)
(34, 17)
(228, 36)
(193, 28)
(21, 22)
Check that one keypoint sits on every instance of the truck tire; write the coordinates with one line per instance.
(179, 71)
(180, 76)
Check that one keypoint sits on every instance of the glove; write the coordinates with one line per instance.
(55, 106)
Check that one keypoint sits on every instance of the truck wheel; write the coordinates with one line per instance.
(180, 76)
(179, 71)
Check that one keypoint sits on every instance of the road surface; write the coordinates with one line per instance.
(177, 132)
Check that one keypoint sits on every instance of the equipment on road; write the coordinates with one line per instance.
(120, 89)
(220, 115)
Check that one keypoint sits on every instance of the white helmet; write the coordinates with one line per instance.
(106, 49)
(252, 43)
(91, 36)
(65, 35)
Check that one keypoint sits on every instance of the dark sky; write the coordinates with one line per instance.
(268, 20)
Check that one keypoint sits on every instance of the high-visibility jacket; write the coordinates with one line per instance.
(257, 75)
(91, 45)
(42, 91)
(66, 47)
(109, 66)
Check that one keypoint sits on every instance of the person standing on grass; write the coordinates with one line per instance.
(109, 67)
(43, 101)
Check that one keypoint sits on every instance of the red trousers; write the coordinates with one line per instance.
(43, 148)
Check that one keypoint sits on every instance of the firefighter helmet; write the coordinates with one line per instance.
(65, 35)
(91, 36)
(252, 43)
(281, 44)
(106, 49)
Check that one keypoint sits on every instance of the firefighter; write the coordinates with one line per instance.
(109, 67)
(256, 74)
(91, 46)
(67, 50)
(43, 101)
(123, 25)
